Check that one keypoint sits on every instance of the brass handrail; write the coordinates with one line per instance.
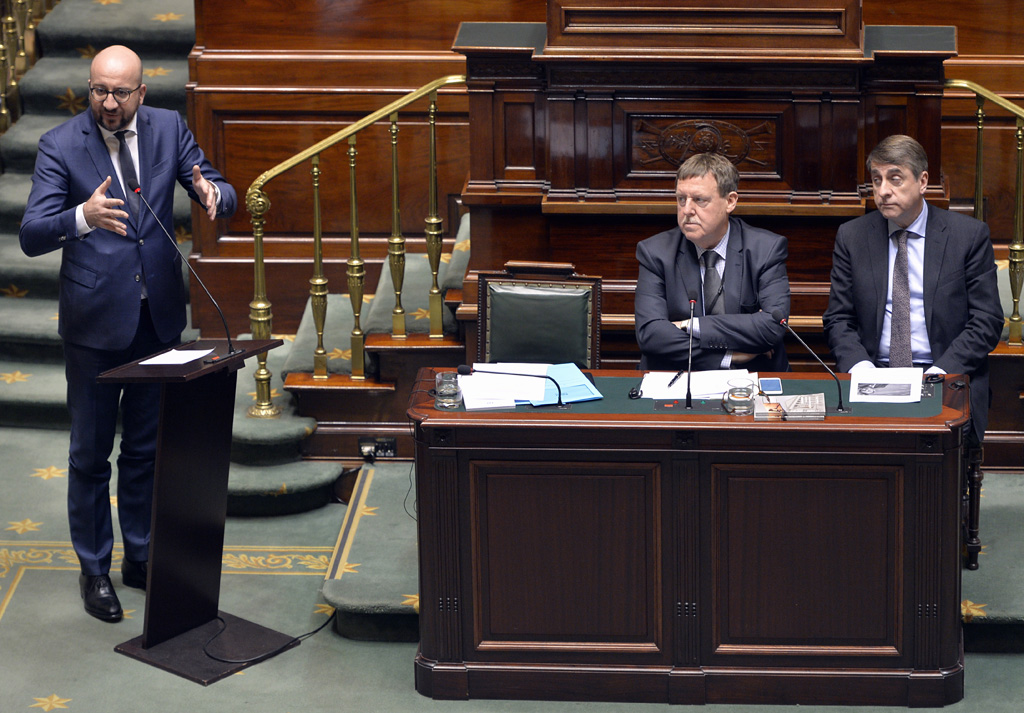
(258, 204)
(1016, 247)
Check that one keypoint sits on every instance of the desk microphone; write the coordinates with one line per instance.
(134, 187)
(784, 321)
(689, 358)
(466, 370)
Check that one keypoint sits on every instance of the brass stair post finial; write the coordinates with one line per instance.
(260, 317)
(396, 243)
(433, 229)
(355, 270)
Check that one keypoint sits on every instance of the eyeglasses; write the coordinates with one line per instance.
(120, 95)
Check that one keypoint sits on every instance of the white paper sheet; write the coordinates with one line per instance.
(703, 384)
(176, 356)
(886, 386)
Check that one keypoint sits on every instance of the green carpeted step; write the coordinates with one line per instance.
(14, 189)
(282, 489)
(993, 595)
(19, 144)
(28, 330)
(32, 395)
(59, 86)
(373, 578)
(147, 26)
(36, 277)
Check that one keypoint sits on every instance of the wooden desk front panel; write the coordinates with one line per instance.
(638, 563)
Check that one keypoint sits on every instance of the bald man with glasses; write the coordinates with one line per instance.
(122, 297)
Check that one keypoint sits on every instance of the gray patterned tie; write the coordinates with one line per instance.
(899, 326)
(712, 284)
(124, 157)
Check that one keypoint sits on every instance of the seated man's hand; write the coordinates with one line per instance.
(744, 357)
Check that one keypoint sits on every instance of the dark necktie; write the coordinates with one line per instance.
(124, 157)
(712, 284)
(899, 325)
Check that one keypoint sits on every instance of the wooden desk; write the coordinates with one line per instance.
(689, 557)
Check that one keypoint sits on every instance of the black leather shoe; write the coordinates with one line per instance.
(133, 574)
(100, 599)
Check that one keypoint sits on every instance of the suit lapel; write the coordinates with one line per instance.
(934, 249)
(878, 255)
(732, 278)
(100, 155)
(688, 272)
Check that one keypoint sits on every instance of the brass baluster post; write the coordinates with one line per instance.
(433, 227)
(9, 38)
(1017, 246)
(5, 114)
(318, 283)
(21, 20)
(396, 244)
(260, 317)
(355, 270)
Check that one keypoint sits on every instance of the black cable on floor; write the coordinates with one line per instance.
(268, 654)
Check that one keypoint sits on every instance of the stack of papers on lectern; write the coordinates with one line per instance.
(506, 384)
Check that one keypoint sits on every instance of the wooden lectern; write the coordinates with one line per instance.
(193, 455)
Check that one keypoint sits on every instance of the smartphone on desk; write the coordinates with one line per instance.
(770, 385)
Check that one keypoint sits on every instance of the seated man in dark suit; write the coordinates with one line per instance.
(735, 273)
(949, 300)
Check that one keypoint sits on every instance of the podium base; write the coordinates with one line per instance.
(183, 655)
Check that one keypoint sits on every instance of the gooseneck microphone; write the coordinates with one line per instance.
(134, 187)
(466, 370)
(784, 321)
(689, 357)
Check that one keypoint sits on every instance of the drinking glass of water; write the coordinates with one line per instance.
(447, 393)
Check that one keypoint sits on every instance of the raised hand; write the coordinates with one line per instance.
(103, 212)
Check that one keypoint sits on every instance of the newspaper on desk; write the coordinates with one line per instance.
(886, 386)
(797, 407)
(703, 384)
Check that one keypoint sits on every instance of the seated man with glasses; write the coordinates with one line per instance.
(122, 296)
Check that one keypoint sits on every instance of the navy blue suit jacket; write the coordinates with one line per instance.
(961, 298)
(100, 275)
(755, 286)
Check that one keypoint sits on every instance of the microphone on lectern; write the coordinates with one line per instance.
(134, 187)
(784, 321)
(466, 370)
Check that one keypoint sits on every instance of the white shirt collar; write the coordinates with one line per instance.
(919, 224)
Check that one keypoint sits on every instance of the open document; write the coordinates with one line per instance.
(703, 384)
(886, 386)
(506, 384)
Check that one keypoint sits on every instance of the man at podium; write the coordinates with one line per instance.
(122, 296)
(730, 276)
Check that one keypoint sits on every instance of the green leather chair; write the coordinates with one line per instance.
(539, 313)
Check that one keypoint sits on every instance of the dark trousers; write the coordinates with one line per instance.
(94, 410)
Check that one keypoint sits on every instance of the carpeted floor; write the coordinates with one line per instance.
(54, 657)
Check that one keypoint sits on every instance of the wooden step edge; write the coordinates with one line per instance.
(414, 342)
(304, 381)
